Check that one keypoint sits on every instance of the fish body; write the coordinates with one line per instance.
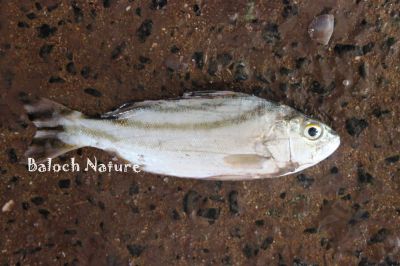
(210, 135)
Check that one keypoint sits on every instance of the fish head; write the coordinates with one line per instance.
(310, 141)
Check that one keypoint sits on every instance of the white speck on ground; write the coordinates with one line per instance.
(8, 206)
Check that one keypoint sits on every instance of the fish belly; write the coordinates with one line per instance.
(228, 151)
(199, 154)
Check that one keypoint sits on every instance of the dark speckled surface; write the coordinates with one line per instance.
(95, 55)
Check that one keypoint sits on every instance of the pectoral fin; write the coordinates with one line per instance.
(252, 161)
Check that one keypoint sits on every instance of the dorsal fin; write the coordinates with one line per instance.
(212, 94)
(126, 107)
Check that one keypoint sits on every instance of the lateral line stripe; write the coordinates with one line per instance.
(257, 111)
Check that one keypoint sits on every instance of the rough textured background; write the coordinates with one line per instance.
(95, 55)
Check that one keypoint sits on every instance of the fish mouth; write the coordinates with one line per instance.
(334, 141)
(334, 136)
(337, 141)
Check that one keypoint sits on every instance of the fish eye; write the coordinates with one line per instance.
(312, 131)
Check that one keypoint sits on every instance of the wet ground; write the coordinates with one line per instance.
(95, 55)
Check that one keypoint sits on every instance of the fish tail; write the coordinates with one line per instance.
(50, 119)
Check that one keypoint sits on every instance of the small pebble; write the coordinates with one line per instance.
(390, 41)
(56, 79)
(45, 213)
(52, 7)
(233, 202)
(133, 189)
(23, 24)
(241, 72)
(368, 47)
(175, 215)
(78, 14)
(25, 205)
(321, 28)
(270, 33)
(342, 49)
(70, 67)
(37, 200)
(346, 82)
(197, 10)
(355, 126)
(305, 181)
(31, 16)
(8, 206)
(145, 29)
(259, 222)
(12, 156)
(135, 250)
(118, 50)
(85, 72)
(175, 63)
(198, 57)
(138, 11)
(93, 92)
(158, 4)
(378, 112)
(379, 236)
(64, 183)
(249, 251)
(45, 50)
(191, 201)
(45, 31)
(334, 170)
(224, 59)
(311, 230)
(267, 242)
(212, 67)
(364, 177)
(106, 3)
(174, 49)
(210, 213)
(392, 159)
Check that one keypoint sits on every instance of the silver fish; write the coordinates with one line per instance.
(207, 135)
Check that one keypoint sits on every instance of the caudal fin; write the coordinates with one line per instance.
(49, 118)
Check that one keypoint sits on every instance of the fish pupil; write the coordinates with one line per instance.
(312, 131)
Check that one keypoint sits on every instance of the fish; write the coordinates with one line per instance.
(211, 135)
